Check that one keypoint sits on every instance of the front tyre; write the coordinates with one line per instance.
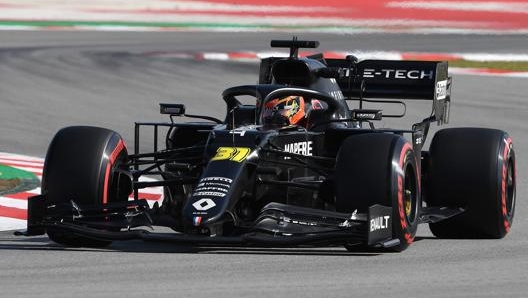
(84, 164)
(379, 168)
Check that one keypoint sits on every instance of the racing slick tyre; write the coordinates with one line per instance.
(472, 168)
(380, 168)
(81, 165)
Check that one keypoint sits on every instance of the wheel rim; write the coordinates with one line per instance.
(410, 195)
(510, 188)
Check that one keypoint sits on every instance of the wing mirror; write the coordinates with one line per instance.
(173, 109)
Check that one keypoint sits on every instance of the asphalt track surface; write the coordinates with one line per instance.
(49, 80)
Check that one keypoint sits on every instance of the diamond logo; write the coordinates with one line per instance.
(203, 204)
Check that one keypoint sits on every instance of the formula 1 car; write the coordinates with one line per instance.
(253, 179)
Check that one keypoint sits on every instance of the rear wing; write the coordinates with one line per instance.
(394, 79)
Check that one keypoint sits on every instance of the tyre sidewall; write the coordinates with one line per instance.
(506, 208)
(405, 167)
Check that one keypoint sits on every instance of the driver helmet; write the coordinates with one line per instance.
(288, 110)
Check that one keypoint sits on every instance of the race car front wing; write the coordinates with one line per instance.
(278, 225)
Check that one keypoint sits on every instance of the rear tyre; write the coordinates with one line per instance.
(82, 165)
(379, 168)
(473, 168)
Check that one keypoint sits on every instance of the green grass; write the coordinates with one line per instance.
(502, 65)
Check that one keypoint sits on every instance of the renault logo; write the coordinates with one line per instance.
(203, 204)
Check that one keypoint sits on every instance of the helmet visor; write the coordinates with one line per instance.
(290, 107)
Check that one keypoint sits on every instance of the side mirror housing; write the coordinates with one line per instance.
(173, 109)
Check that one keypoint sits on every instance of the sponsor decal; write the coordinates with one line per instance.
(379, 223)
(237, 154)
(197, 220)
(304, 148)
(218, 179)
(299, 222)
(213, 186)
(204, 204)
(209, 193)
(441, 89)
(240, 132)
(366, 115)
(399, 74)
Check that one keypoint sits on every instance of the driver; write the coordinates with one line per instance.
(289, 110)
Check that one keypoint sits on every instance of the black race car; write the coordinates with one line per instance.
(254, 179)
